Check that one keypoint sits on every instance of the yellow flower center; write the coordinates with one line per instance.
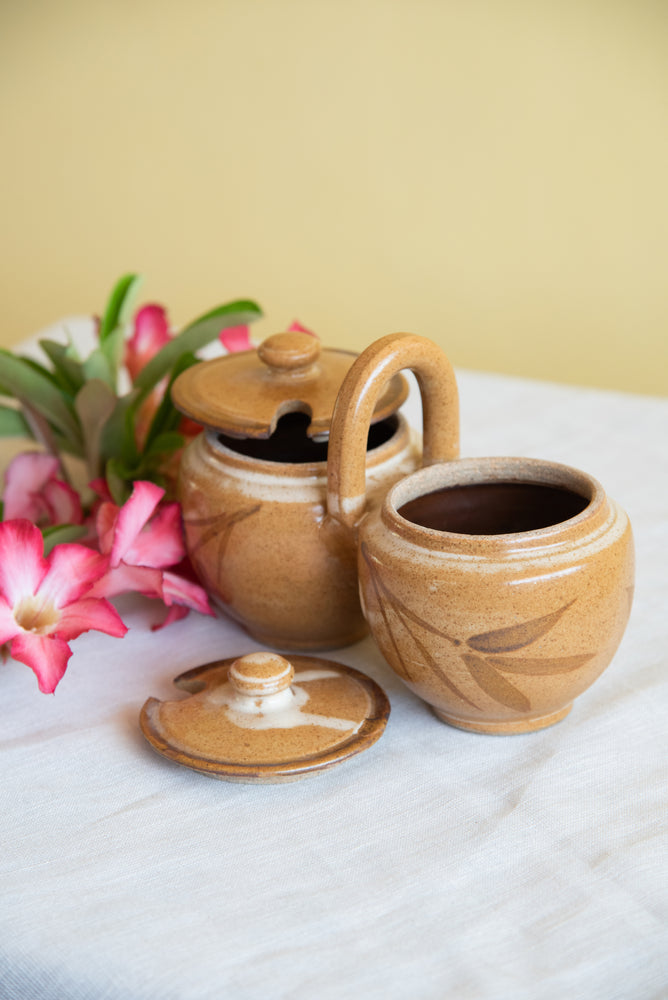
(33, 615)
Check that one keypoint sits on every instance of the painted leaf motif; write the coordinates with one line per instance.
(426, 655)
(493, 684)
(373, 563)
(539, 666)
(400, 668)
(391, 608)
(219, 526)
(507, 640)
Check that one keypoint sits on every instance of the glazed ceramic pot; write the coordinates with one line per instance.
(253, 485)
(498, 589)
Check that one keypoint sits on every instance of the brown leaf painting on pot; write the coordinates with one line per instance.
(498, 589)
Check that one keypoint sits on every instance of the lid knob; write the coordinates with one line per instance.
(289, 352)
(261, 674)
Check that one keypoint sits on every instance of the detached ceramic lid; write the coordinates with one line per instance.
(243, 395)
(262, 718)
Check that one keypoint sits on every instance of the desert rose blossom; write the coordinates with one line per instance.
(150, 333)
(144, 544)
(236, 338)
(44, 603)
(34, 491)
(296, 327)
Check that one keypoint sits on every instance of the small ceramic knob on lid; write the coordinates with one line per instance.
(261, 675)
(290, 352)
(243, 395)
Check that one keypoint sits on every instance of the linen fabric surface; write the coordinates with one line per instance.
(438, 864)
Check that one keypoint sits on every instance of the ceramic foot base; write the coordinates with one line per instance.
(505, 728)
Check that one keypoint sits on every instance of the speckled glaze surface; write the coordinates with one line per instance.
(498, 589)
(263, 719)
(257, 531)
(245, 394)
(498, 632)
(257, 536)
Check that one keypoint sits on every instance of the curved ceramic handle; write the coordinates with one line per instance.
(346, 462)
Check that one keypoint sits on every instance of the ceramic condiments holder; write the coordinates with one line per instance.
(263, 719)
(498, 589)
(253, 484)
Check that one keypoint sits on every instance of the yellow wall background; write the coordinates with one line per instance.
(490, 173)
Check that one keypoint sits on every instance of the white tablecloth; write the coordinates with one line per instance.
(439, 864)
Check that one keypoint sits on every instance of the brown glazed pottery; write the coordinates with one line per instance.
(253, 485)
(498, 589)
(261, 718)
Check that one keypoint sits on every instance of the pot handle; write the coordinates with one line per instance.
(346, 462)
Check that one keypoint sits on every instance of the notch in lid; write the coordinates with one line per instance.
(243, 395)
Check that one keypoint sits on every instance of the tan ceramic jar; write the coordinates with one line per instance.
(254, 503)
(498, 589)
(257, 537)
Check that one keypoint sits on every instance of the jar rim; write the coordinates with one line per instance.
(398, 439)
(492, 470)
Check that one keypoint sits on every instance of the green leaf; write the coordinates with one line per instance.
(13, 423)
(42, 370)
(118, 435)
(41, 429)
(66, 363)
(164, 444)
(195, 336)
(167, 417)
(120, 304)
(118, 481)
(95, 402)
(61, 533)
(112, 348)
(97, 367)
(31, 385)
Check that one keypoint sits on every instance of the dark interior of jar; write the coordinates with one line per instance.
(290, 442)
(494, 508)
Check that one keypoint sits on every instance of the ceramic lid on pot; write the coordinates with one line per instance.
(262, 718)
(243, 395)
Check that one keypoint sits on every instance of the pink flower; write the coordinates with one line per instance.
(149, 335)
(143, 548)
(151, 332)
(235, 338)
(33, 491)
(298, 328)
(43, 602)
